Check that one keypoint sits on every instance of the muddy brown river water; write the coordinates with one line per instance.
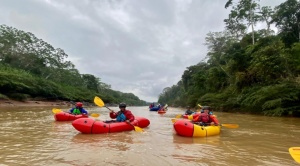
(30, 136)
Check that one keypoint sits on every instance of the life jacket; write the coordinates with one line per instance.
(189, 112)
(204, 118)
(121, 117)
(76, 111)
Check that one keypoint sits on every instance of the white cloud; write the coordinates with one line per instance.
(136, 46)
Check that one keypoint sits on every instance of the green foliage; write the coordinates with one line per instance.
(275, 100)
(3, 97)
(269, 62)
(32, 68)
(239, 75)
(287, 19)
(294, 59)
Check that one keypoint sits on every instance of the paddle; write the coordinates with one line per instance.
(56, 110)
(136, 128)
(165, 107)
(99, 102)
(200, 106)
(295, 153)
(231, 126)
(174, 120)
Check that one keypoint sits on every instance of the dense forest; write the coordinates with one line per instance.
(247, 70)
(32, 69)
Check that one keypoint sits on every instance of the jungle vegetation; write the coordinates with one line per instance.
(32, 69)
(247, 70)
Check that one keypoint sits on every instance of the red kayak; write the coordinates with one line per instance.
(91, 126)
(161, 112)
(63, 116)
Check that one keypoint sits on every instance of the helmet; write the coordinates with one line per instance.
(122, 105)
(206, 108)
(79, 104)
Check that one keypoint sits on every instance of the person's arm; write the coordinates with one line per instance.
(196, 118)
(83, 111)
(214, 119)
(71, 110)
(129, 116)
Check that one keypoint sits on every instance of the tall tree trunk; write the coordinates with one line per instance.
(251, 19)
(299, 30)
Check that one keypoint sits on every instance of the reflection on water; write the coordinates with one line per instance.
(118, 141)
(213, 140)
(32, 137)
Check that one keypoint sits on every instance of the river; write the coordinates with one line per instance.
(30, 136)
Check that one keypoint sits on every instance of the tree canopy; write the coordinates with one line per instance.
(253, 72)
(32, 68)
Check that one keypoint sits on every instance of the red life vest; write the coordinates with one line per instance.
(204, 118)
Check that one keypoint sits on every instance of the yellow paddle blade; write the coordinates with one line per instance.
(231, 126)
(56, 110)
(173, 120)
(178, 116)
(138, 129)
(295, 153)
(98, 101)
(95, 115)
(199, 105)
(166, 106)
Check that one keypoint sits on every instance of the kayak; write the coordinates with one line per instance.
(161, 112)
(186, 128)
(63, 116)
(91, 126)
(154, 109)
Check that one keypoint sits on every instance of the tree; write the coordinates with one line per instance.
(287, 20)
(266, 14)
(243, 11)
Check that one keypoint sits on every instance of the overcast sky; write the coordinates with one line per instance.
(136, 46)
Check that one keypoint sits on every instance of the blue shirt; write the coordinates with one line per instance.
(82, 110)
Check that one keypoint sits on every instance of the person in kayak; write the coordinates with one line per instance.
(164, 108)
(210, 111)
(205, 119)
(188, 111)
(123, 115)
(151, 105)
(78, 109)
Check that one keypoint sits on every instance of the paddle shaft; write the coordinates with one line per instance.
(107, 108)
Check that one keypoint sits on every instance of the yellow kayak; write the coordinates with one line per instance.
(186, 128)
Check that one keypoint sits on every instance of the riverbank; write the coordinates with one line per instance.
(33, 103)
